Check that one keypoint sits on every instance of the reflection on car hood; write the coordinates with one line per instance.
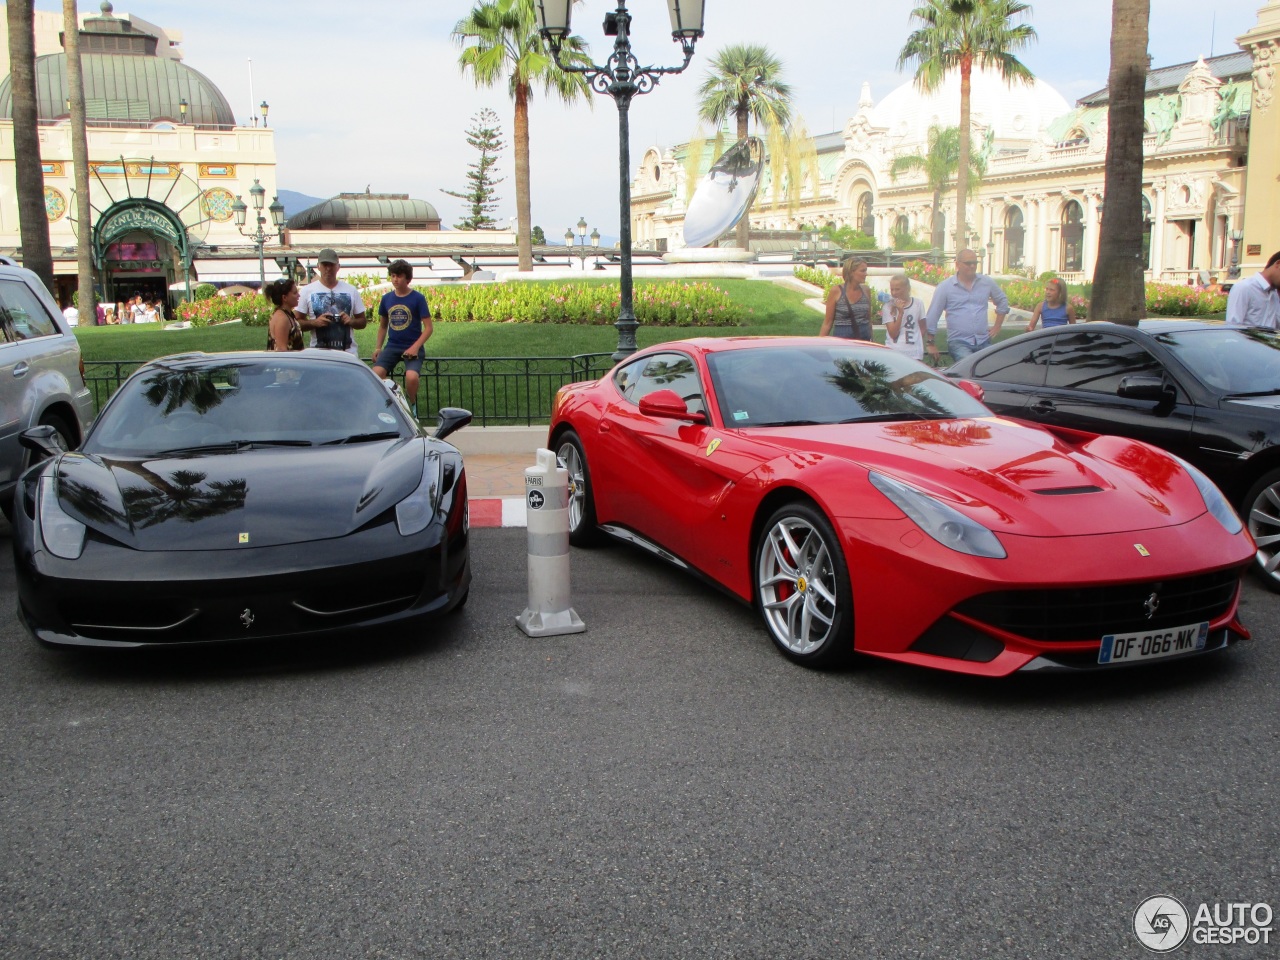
(257, 497)
(1018, 478)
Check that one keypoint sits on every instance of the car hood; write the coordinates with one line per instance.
(1018, 478)
(256, 497)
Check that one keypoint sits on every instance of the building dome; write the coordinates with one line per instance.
(124, 88)
(368, 211)
(1014, 111)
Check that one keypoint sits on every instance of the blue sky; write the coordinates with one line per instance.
(370, 93)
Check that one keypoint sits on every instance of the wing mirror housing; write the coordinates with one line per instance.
(450, 420)
(667, 405)
(1137, 387)
(972, 389)
(43, 439)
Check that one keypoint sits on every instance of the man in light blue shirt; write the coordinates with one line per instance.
(1254, 302)
(964, 298)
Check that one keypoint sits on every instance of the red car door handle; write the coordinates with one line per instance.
(1043, 406)
(604, 426)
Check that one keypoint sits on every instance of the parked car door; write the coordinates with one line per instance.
(28, 335)
(1014, 373)
(1082, 392)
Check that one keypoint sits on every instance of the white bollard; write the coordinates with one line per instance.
(546, 497)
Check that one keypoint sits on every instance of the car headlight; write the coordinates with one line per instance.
(1213, 499)
(415, 511)
(948, 526)
(63, 535)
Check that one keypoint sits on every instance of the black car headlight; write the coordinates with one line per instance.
(1213, 499)
(415, 511)
(63, 535)
(944, 523)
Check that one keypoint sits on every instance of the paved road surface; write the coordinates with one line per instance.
(664, 785)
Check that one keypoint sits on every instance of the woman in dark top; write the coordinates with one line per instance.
(283, 331)
(849, 304)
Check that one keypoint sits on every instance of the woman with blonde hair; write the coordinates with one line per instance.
(849, 304)
(1055, 309)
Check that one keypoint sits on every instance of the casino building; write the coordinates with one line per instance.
(167, 157)
(1039, 206)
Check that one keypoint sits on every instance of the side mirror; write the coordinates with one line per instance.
(1137, 387)
(666, 404)
(972, 389)
(450, 420)
(44, 440)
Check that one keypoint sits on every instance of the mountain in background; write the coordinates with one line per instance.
(297, 202)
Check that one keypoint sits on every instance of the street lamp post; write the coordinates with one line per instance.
(580, 250)
(622, 78)
(991, 252)
(1233, 272)
(259, 236)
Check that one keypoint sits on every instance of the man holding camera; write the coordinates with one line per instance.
(331, 308)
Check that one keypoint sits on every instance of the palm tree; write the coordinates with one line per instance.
(957, 35)
(33, 222)
(939, 164)
(500, 39)
(79, 158)
(1118, 293)
(745, 81)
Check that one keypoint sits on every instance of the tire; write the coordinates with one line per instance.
(802, 587)
(582, 507)
(1262, 520)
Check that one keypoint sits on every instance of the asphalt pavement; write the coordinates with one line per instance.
(663, 785)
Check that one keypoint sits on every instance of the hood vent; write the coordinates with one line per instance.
(1067, 491)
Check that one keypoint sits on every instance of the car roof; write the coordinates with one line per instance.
(197, 358)
(724, 344)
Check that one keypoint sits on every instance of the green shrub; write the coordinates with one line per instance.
(819, 278)
(254, 311)
(204, 291)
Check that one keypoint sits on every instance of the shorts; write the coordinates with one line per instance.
(389, 357)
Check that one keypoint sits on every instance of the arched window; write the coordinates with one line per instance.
(866, 222)
(1015, 238)
(1072, 253)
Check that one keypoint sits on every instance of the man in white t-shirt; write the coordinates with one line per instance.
(903, 318)
(331, 308)
(71, 315)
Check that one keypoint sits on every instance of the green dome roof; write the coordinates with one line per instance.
(141, 90)
(372, 210)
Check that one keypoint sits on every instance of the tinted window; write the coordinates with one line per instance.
(1023, 361)
(172, 406)
(1097, 362)
(662, 371)
(1231, 360)
(769, 386)
(22, 316)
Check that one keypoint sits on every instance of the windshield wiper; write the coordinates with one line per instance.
(230, 446)
(1254, 393)
(793, 423)
(365, 437)
(899, 415)
(246, 444)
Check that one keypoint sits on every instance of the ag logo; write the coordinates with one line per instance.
(536, 499)
(1161, 923)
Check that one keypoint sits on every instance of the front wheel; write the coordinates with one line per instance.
(582, 508)
(1262, 517)
(802, 587)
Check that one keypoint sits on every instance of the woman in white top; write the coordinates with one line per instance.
(903, 319)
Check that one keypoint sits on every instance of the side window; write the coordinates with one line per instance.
(1024, 363)
(22, 315)
(1097, 362)
(662, 371)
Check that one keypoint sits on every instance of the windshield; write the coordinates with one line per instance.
(823, 383)
(1229, 360)
(186, 406)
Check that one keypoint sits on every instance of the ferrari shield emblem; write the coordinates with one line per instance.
(711, 447)
(1142, 551)
(244, 538)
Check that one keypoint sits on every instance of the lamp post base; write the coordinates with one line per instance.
(626, 327)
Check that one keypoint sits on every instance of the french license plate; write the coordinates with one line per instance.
(1151, 645)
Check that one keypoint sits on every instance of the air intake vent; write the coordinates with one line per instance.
(1067, 491)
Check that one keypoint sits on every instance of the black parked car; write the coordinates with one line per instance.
(242, 497)
(1206, 392)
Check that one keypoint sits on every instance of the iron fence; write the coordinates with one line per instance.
(504, 391)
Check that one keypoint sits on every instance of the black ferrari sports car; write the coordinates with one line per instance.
(1207, 392)
(242, 496)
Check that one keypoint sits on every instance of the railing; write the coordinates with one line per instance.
(497, 390)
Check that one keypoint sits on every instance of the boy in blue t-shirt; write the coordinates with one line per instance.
(404, 322)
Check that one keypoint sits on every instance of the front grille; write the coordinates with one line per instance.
(1087, 613)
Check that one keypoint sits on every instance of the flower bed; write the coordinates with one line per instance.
(826, 279)
(255, 311)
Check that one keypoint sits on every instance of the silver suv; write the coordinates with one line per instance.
(41, 373)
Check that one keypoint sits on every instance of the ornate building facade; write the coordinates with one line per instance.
(1039, 205)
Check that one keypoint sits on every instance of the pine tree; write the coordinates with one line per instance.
(486, 137)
